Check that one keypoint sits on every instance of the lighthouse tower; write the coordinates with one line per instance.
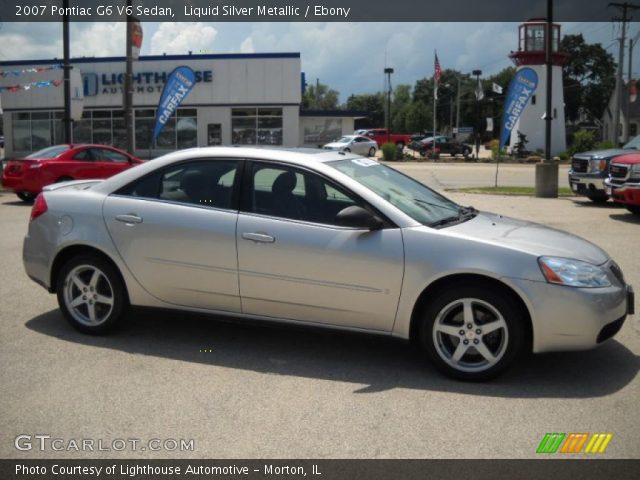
(531, 53)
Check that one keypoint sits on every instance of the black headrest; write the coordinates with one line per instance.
(285, 183)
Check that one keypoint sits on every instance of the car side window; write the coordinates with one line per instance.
(106, 155)
(83, 155)
(205, 183)
(291, 193)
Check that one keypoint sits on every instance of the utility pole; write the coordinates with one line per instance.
(128, 84)
(458, 109)
(632, 42)
(624, 7)
(66, 70)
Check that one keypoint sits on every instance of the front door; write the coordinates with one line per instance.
(295, 263)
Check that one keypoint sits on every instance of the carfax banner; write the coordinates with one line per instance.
(179, 83)
(521, 88)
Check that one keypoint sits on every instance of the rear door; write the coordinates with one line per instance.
(176, 229)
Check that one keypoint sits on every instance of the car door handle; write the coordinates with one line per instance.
(259, 237)
(129, 218)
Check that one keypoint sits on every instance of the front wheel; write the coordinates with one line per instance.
(348, 150)
(91, 294)
(635, 209)
(598, 198)
(472, 333)
(26, 196)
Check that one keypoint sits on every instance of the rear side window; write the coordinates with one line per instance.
(204, 183)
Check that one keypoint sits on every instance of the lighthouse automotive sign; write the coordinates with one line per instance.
(521, 89)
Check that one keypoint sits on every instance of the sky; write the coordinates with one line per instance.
(349, 57)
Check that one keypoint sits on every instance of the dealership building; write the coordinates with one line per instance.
(238, 99)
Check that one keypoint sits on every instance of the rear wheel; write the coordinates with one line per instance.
(63, 179)
(635, 209)
(26, 196)
(372, 152)
(472, 333)
(400, 144)
(91, 294)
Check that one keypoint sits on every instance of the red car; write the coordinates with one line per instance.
(59, 163)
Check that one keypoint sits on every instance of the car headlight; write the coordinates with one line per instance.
(635, 171)
(573, 273)
(597, 166)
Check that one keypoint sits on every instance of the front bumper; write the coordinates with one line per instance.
(568, 318)
(627, 192)
(588, 184)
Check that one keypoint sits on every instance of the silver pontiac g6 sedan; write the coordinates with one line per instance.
(321, 238)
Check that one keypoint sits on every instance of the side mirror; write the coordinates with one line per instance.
(358, 217)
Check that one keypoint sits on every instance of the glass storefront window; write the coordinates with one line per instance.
(261, 126)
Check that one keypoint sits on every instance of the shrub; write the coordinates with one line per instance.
(564, 156)
(605, 145)
(389, 151)
(583, 140)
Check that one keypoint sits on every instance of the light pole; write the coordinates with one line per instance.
(66, 69)
(388, 71)
(477, 138)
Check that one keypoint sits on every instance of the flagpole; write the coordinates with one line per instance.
(435, 106)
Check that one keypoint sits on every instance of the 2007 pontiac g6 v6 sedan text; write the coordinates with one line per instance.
(321, 238)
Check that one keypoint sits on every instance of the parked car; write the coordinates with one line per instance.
(354, 143)
(382, 136)
(444, 144)
(623, 184)
(27, 176)
(590, 169)
(327, 239)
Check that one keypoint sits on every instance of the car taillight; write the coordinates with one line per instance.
(39, 207)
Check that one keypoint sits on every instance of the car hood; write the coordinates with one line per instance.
(605, 154)
(529, 237)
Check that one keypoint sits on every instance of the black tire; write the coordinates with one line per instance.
(108, 285)
(504, 343)
(63, 179)
(348, 150)
(598, 198)
(635, 209)
(400, 145)
(26, 196)
(372, 152)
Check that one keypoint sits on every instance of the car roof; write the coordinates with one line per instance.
(294, 156)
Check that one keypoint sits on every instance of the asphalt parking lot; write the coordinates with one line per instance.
(243, 390)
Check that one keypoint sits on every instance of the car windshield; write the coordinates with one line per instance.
(413, 198)
(49, 152)
(633, 144)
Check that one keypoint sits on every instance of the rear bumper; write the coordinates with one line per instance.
(21, 184)
(567, 318)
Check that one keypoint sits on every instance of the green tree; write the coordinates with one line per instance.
(400, 107)
(372, 104)
(589, 77)
(320, 97)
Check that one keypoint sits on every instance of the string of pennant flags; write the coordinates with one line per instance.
(17, 73)
(29, 86)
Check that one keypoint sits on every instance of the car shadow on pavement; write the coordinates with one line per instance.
(381, 363)
(585, 202)
(626, 217)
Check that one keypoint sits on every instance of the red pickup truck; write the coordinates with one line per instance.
(623, 183)
(382, 136)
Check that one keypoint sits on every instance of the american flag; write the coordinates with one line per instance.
(438, 70)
